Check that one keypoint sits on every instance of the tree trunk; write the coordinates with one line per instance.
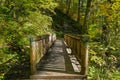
(84, 27)
(67, 1)
(78, 19)
(68, 9)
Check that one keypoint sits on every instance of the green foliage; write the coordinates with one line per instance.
(103, 24)
(103, 74)
(24, 18)
(20, 20)
(103, 60)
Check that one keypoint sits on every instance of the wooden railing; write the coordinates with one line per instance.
(39, 46)
(79, 46)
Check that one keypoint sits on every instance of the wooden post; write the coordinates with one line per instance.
(54, 37)
(42, 48)
(32, 56)
(38, 55)
(79, 46)
(43, 41)
(79, 49)
(38, 47)
(84, 54)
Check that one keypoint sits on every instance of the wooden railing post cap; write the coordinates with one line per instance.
(30, 39)
(85, 38)
(36, 38)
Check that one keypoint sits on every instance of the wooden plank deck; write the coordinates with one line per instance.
(58, 64)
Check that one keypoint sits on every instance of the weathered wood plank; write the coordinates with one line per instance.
(39, 46)
(79, 46)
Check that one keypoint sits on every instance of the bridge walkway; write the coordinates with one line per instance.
(58, 63)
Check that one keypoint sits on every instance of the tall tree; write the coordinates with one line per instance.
(78, 19)
(84, 27)
(69, 5)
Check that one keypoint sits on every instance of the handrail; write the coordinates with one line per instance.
(79, 46)
(7, 46)
(39, 46)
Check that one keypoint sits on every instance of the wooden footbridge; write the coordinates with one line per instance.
(53, 59)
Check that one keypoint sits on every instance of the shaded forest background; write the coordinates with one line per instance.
(20, 20)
